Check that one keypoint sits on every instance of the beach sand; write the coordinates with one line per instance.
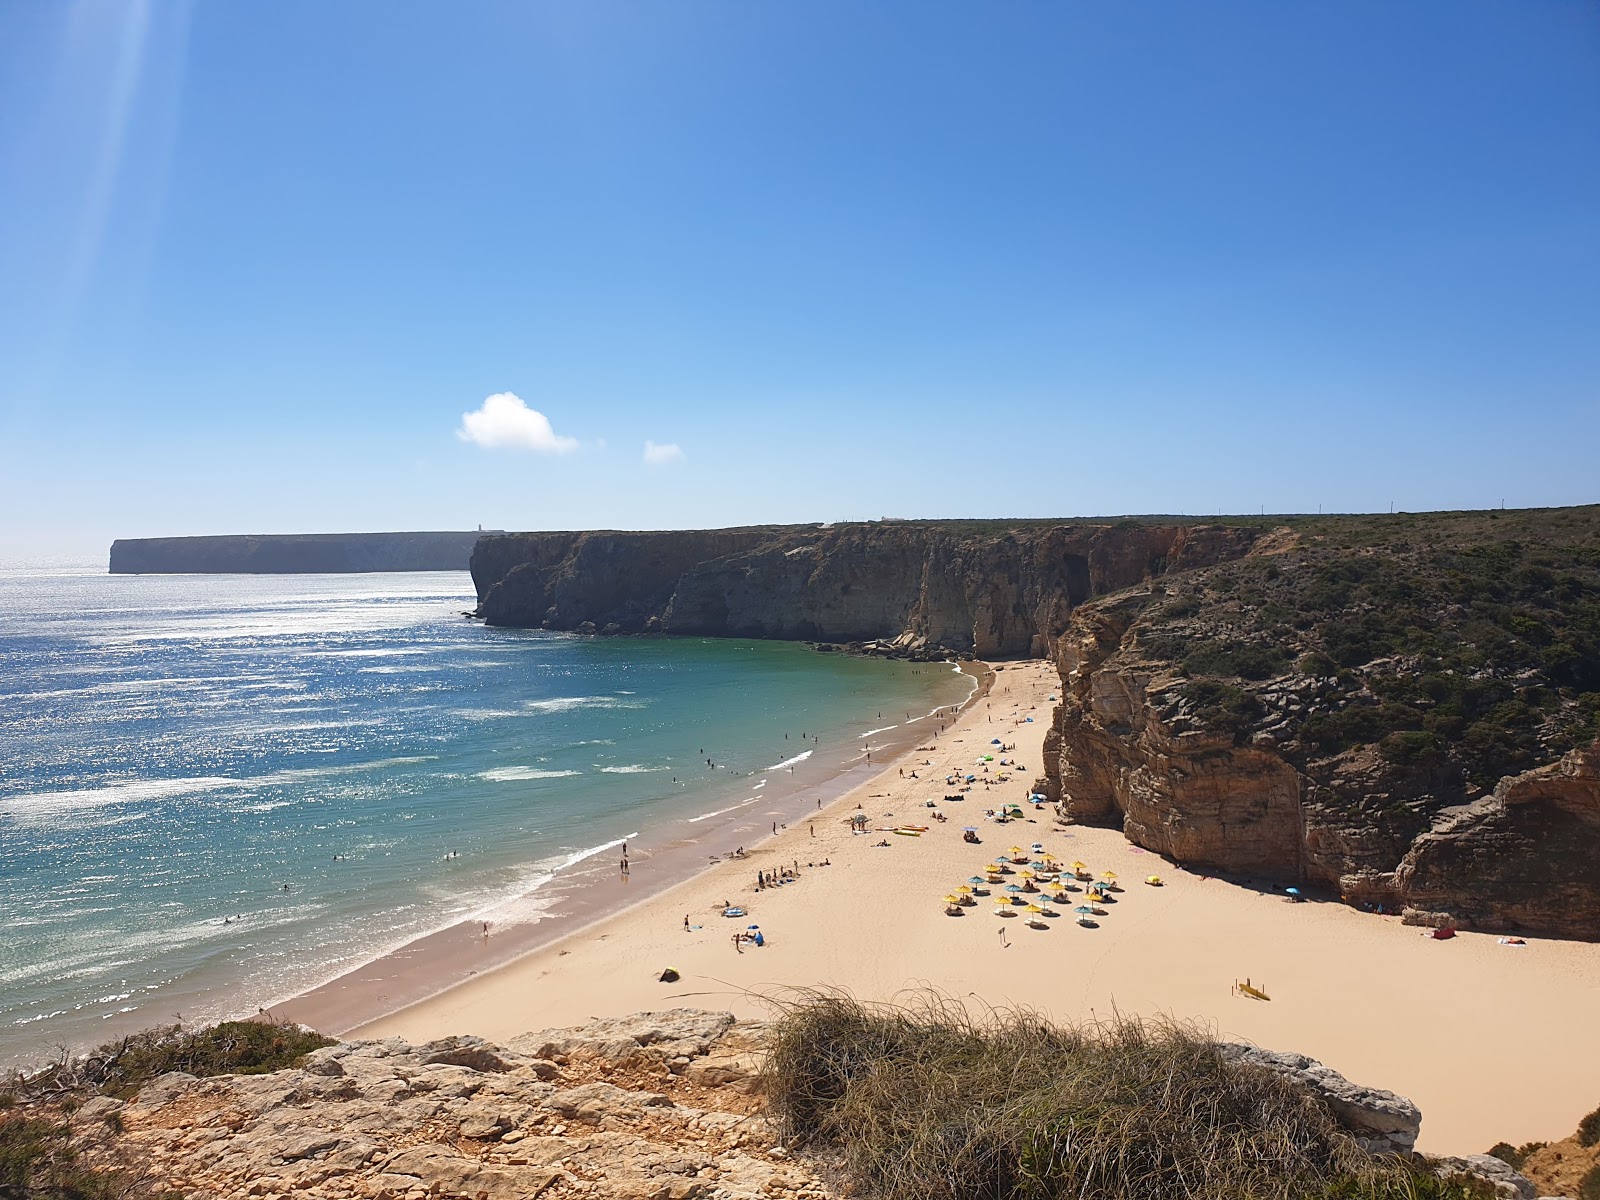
(1492, 1042)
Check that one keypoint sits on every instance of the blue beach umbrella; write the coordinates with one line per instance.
(976, 879)
(1085, 910)
(995, 742)
(1013, 887)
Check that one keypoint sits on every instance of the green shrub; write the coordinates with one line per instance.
(1244, 659)
(122, 1067)
(231, 1048)
(1589, 1129)
(1515, 1155)
(1408, 747)
(1589, 1185)
(37, 1162)
(1317, 663)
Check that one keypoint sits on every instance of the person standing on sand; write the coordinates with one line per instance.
(686, 922)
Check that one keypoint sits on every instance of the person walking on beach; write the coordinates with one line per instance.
(686, 922)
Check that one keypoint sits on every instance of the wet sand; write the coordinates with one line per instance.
(1492, 1042)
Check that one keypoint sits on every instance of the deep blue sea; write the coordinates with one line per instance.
(182, 758)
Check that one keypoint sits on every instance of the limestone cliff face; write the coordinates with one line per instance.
(1525, 856)
(979, 588)
(1121, 754)
(1126, 749)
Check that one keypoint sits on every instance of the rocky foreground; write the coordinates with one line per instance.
(656, 1106)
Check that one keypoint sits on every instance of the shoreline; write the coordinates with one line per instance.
(1443, 1023)
(660, 861)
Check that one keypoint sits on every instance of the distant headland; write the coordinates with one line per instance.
(294, 553)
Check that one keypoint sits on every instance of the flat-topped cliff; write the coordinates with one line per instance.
(995, 589)
(293, 553)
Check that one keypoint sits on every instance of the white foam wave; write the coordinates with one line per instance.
(485, 714)
(885, 729)
(523, 906)
(37, 805)
(634, 769)
(789, 762)
(720, 811)
(509, 774)
(568, 703)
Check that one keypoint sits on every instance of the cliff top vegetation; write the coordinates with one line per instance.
(1460, 647)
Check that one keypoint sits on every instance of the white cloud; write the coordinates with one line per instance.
(657, 455)
(504, 420)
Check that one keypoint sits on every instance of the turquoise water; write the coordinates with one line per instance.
(182, 758)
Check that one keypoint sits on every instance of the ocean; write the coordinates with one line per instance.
(219, 791)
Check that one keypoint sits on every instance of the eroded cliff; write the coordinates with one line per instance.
(1407, 721)
(988, 588)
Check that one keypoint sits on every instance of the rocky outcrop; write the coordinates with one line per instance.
(1383, 1122)
(292, 553)
(985, 588)
(1128, 747)
(655, 1106)
(1523, 857)
(658, 1106)
(1121, 752)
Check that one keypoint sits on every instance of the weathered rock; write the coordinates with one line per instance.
(462, 1117)
(1506, 1180)
(1523, 857)
(1383, 1122)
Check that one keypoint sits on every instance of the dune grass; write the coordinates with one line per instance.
(926, 1102)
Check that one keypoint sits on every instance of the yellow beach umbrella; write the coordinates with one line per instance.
(964, 889)
(1035, 908)
(1108, 875)
(952, 899)
(1025, 874)
(1078, 866)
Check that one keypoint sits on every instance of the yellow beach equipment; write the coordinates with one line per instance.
(1109, 876)
(1078, 866)
(1153, 880)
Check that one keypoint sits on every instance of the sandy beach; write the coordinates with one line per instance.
(1492, 1042)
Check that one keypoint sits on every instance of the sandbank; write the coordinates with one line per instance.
(1492, 1042)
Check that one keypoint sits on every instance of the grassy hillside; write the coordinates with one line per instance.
(1457, 646)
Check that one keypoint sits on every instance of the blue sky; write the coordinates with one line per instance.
(851, 260)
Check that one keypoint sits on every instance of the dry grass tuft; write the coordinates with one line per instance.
(924, 1101)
